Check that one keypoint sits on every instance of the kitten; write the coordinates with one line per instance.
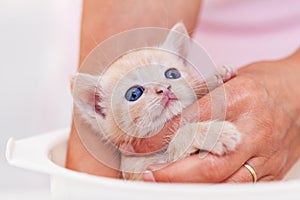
(144, 89)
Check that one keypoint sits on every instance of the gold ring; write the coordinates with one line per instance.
(252, 172)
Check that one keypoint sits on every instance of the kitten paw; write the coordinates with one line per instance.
(226, 73)
(217, 137)
(227, 139)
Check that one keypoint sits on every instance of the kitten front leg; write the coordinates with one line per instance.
(217, 137)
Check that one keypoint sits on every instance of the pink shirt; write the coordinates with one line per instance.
(238, 32)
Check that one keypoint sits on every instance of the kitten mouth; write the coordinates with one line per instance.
(168, 99)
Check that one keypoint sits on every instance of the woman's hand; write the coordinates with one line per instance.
(263, 102)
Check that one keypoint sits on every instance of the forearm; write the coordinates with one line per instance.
(104, 18)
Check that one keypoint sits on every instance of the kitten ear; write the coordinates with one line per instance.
(87, 94)
(178, 40)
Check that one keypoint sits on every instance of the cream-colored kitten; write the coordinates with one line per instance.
(144, 89)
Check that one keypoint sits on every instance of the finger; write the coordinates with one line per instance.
(198, 168)
(243, 174)
(267, 167)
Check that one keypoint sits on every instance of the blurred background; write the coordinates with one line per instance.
(39, 48)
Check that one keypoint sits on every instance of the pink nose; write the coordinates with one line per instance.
(162, 89)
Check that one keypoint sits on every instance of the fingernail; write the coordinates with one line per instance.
(157, 166)
(148, 176)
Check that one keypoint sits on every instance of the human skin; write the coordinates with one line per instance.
(102, 19)
(263, 102)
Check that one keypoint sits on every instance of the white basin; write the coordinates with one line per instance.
(46, 153)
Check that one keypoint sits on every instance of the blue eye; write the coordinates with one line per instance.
(134, 93)
(172, 74)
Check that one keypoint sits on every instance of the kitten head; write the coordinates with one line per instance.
(140, 91)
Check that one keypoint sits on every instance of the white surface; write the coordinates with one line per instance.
(25, 195)
(45, 153)
(39, 42)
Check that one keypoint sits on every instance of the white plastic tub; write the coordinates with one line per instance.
(46, 153)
